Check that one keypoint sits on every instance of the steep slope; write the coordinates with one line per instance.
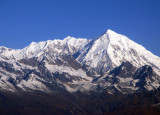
(111, 49)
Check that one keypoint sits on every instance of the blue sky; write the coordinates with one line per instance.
(24, 21)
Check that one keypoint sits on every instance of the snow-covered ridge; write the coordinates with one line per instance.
(69, 46)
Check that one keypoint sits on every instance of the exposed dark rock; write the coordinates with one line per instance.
(126, 69)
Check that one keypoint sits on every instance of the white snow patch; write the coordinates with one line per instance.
(69, 70)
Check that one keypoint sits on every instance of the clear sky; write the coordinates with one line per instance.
(24, 21)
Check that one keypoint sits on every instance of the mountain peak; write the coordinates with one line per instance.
(111, 36)
(68, 38)
(109, 31)
(111, 49)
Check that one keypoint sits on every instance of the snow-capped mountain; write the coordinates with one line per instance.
(111, 49)
(110, 62)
